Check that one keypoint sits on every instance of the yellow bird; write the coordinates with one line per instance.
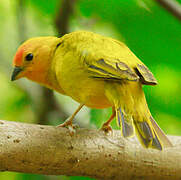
(98, 72)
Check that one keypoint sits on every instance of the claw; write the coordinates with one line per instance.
(65, 124)
(68, 123)
(71, 127)
(106, 128)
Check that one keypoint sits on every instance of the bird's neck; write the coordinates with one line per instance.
(45, 77)
(52, 82)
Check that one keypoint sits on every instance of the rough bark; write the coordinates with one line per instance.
(51, 150)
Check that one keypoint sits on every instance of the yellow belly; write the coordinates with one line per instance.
(89, 92)
(85, 89)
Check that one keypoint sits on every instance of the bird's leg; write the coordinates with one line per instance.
(68, 122)
(106, 126)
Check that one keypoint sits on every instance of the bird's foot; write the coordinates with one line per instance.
(71, 127)
(106, 128)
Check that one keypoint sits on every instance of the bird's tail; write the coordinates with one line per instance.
(125, 122)
(148, 132)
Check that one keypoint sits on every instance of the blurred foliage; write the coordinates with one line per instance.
(151, 32)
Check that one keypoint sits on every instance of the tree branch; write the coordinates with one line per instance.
(51, 150)
(172, 6)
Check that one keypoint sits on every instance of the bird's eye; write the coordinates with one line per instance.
(29, 57)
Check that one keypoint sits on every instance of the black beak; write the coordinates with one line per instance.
(16, 71)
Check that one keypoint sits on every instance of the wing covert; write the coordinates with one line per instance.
(146, 76)
(111, 70)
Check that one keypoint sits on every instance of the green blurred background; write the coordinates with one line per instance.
(151, 32)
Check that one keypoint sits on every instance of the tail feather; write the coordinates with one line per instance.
(147, 135)
(156, 143)
(147, 130)
(166, 142)
(125, 122)
(133, 115)
(150, 135)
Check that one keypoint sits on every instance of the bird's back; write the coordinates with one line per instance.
(98, 46)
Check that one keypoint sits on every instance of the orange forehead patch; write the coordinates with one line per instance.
(18, 58)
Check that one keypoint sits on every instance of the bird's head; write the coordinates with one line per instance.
(33, 58)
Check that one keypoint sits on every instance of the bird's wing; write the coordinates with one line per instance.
(111, 70)
(115, 69)
(146, 76)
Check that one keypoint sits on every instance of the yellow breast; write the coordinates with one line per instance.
(77, 83)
